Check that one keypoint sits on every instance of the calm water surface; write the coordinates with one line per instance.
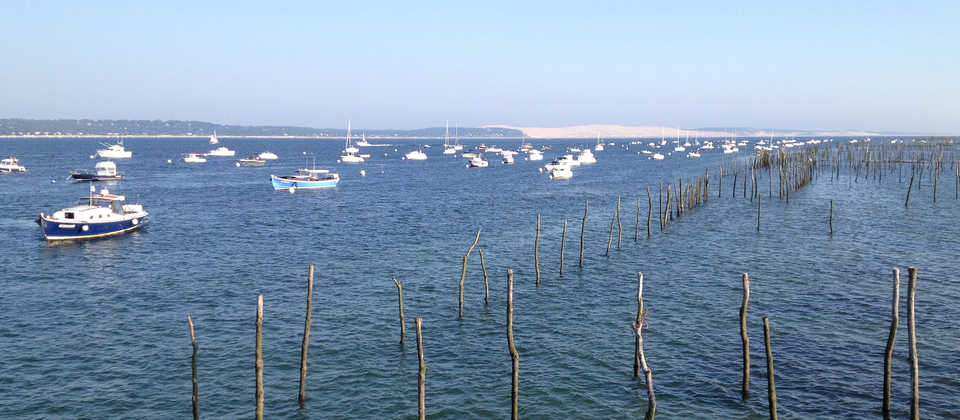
(97, 329)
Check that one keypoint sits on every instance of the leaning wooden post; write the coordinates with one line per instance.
(907, 203)
(302, 396)
(758, 213)
(403, 323)
(610, 238)
(831, 217)
(536, 251)
(583, 227)
(647, 373)
(422, 374)
(514, 356)
(486, 282)
(745, 386)
(639, 321)
(888, 353)
(463, 273)
(258, 365)
(636, 231)
(912, 333)
(193, 366)
(771, 389)
(563, 241)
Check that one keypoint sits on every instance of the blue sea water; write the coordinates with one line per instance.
(97, 329)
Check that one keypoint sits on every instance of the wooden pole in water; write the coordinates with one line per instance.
(305, 344)
(745, 386)
(610, 238)
(639, 321)
(583, 227)
(636, 231)
(258, 365)
(956, 184)
(463, 273)
(891, 339)
(619, 225)
(912, 333)
(660, 208)
(536, 251)
(422, 374)
(563, 241)
(650, 209)
(647, 373)
(907, 203)
(486, 282)
(771, 389)
(831, 217)
(193, 366)
(514, 355)
(403, 323)
(936, 180)
(758, 213)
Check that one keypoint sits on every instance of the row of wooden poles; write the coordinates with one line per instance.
(795, 170)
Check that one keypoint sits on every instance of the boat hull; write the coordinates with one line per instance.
(282, 183)
(54, 230)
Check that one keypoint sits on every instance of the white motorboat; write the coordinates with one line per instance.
(561, 172)
(103, 171)
(449, 150)
(222, 151)
(599, 146)
(507, 159)
(569, 160)
(416, 155)
(251, 161)
(194, 158)
(657, 156)
(213, 138)
(477, 162)
(11, 164)
(693, 155)
(114, 151)
(535, 154)
(267, 156)
(586, 157)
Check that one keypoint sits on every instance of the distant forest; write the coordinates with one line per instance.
(23, 127)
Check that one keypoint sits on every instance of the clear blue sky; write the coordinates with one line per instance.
(878, 65)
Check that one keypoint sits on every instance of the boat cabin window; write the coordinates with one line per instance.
(116, 207)
(68, 215)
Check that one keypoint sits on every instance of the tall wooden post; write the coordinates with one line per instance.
(831, 217)
(771, 389)
(302, 396)
(536, 250)
(486, 282)
(907, 203)
(258, 365)
(514, 355)
(583, 227)
(912, 332)
(891, 339)
(636, 231)
(403, 323)
(619, 225)
(758, 213)
(650, 210)
(744, 338)
(647, 372)
(193, 366)
(563, 242)
(463, 273)
(422, 374)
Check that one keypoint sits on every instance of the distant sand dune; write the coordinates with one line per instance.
(627, 131)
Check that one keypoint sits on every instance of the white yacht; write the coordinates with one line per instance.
(657, 156)
(194, 158)
(350, 153)
(561, 172)
(11, 164)
(599, 146)
(693, 155)
(586, 157)
(114, 151)
(222, 151)
(507, 159)
(477, 162)
(267, 156)
(213, 138)
(535, 154)
(416, 155)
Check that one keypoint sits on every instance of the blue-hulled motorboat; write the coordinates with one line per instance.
(102, 214)
(305, 179)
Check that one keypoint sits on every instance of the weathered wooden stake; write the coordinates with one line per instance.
(619, 225)
(745, 386)
(831, 217)
(636, 231)
(650, 210)
(563, 241)
(610, 238)
(422, 374)
(583, 228)
(463, 273)
(907, 203)
(888, 353)
(403, 323)
(514, 356)
(486, 282)
(771, 389)
(302, 396)
(912, 332)
(639, 321)
(758, 213)
(258, 365)
(536, 251)
(647, 373)
(193, 366)
(660, 208)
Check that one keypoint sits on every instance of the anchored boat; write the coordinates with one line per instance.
(306, 180)
(104, 171)
(103, 214)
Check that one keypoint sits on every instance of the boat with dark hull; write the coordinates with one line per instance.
(103, 214)
(104, 171)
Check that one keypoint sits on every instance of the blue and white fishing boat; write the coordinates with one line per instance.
(303, 179)
(103, 214)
